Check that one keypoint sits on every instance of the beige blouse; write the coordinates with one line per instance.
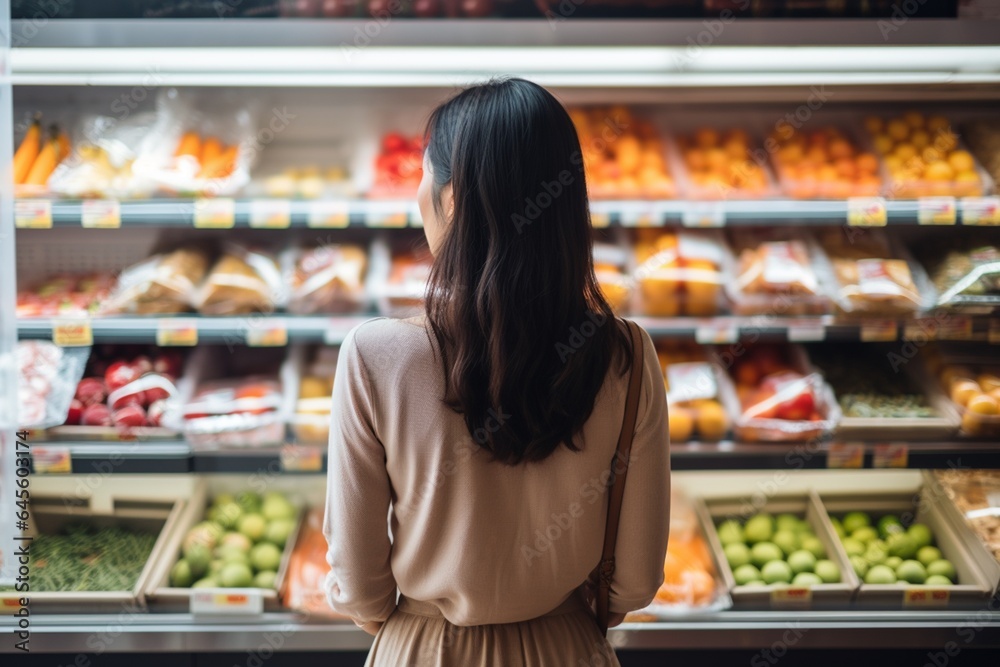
(484, 541)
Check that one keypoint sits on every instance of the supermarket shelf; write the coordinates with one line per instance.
(178, 457)
(404, 213)
(177, 633)
(236, 331)
(160, 33)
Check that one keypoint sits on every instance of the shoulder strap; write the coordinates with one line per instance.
(619, 470)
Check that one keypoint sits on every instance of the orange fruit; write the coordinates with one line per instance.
(914, 119)
(962, 391)
(706, 137)
(939, 171)
(920, 139)
(898, 129)
(873, 124)
(883, 143)
(961, 161)
(701, 583)
(983, 404)
(681, 424)
(905, 152)
(988, 381)
(711, 421)
(867, 162)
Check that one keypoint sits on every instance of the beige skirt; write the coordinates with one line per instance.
(417, 635)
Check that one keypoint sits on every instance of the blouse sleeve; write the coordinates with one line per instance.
(645, 514)
(360, 583)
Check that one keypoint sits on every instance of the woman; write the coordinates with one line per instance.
(486, 424)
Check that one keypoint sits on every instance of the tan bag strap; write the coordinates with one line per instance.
(619, 470)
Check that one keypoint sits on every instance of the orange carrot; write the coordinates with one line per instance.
(211, 149)
(222, 165)
(190, 144)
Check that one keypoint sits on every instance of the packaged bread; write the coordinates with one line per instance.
(327, 279)
(779, 272)
(873, 277)
(241, 282)
(161, 285)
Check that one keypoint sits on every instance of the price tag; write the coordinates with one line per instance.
(704, 214)
(328, 214)
(806, 332)
(301, 458)
(391, 215)
(879, 331)
(10, 600)
(891, 455)
(101, 214)
(921, 330)
(955, 328)
(639, 214)
(845, 455)
(270, 334)
(717, 335)
(242, 601)
(600, 214)
(270, 214)
(214, 213)
(866, 212)
(993, 333)
(783, 596)
(921, 596)
(981, 211)
(51, 460)
(75, 333)
(177, 333)
(33, 214)
(937, 211)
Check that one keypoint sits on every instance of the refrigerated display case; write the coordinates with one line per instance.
(319, 115)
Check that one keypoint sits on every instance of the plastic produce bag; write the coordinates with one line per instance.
(680, 273)
(326, 279)
(163, 284)
(240, 412)
(875, 278)
(214, 149)
(47, 379)
(694, 393)
(967, 276)
(305, 578)
(241, 282)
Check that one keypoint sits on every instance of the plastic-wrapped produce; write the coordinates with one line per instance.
(327, 279)
(47, 379)
(241, 282)
(680, 273)
(162, 284)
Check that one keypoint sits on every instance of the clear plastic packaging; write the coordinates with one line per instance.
(616, 286)
(779, 272)
(780, 397)
(328, 278)
(824, 163)
(305, 576)
(310, 420)
(160, 285)
(47, 379)
(632, 164)
(974, 389)
(924, 157)
(695, 386)
(875, 276)
(398, 167)
(966, 273)
(242, 281)
(691, 580)
(719, 164)
(398, 279)
(680, 273)
(65, 296)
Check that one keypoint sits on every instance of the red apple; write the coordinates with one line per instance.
(134, 398)
(338, 8)
(91, 391)
(142, 365)
(130, 416)
(96, 415)
(76, 409)
(119, 374)
(426, 8)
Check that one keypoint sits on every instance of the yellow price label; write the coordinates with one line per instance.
(920, 596)
(845, 455)
(101, 214)
(937, 211)
(784, 596)
(177, 333)
(214, 213)
(73, 334)
(270, 214)
(270, 335)
(328, 215)
(891, 455)
(234, 601)
(33, 214)
(51, 460)
(981, 211)
(866, 212)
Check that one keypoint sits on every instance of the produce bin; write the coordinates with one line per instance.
(162, 597)
(973, 588)
(51, 514)
(775, 596)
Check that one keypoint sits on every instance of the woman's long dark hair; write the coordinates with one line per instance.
(525, 335)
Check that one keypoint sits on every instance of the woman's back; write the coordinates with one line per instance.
(484, 541)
